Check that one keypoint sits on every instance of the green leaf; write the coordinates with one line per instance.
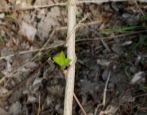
(61, 60)
(122, 30)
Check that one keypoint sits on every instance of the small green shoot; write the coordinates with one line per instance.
(1, 40)
(64, 0)
(56, 49)
(9, 17)
(47, 53)
(62, 61)
(143, 18)
(134, 47)
(142, 87)
(122, 30)
(79, 15)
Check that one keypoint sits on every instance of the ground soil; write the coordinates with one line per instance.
(110, 42)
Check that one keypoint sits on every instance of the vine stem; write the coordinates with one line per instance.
(70, 44)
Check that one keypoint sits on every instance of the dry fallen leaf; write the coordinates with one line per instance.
(138, 77)
(3, 4)
(28, 30)
(110, 110)
(15, 108)
(3, 112)
(31, 99)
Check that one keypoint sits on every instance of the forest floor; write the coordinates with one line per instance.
(111, 45)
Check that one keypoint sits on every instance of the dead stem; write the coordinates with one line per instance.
(105, 90)
(39, 109)
(8, 9)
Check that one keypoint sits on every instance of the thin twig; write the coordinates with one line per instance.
(80, 25)
(142, 95)
(24, 52)
(103, 1)
(39, 53)
(32, 76)
(29, 7)
(75, 97)
(105, 45)
(75, 27)
(81, 40)
(31, 51)
(105, 90)
(112, 37)
(139, 7)
(38, 113)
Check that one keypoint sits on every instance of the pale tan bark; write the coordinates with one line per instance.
(70, 78)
